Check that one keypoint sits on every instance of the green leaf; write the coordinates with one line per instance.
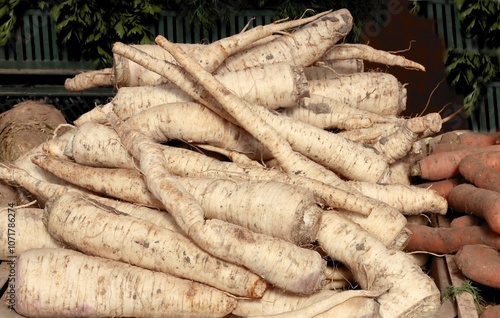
(4, 10)
(456, 80)
(459, 3)
(469, 76)
(134, 30)
(67, 37)
(120, 31)
(55, 12)
(101, 51)
(145, 40)
(90, 38)
(61, 25)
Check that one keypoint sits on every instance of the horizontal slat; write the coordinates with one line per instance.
(52, 90)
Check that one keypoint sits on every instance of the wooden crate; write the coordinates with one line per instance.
(445, 273)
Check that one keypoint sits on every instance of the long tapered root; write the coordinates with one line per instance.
(90, 79)
(412, 293)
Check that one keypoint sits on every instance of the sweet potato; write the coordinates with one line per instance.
(471, 138)
(464, 221)
(442, 187)
(449, 240)
(481, 202)
(482, 169)
(491, 312)
(444, 165)
(480, 263)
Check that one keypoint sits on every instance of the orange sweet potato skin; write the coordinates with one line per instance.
(482, 169)
(443, 165)
(464, 221)
(449, 240)
(491, 312)
(481, 202)
(442, 187)
(478, 139)
(480, 263)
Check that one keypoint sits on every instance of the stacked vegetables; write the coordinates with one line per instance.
(464, 167)
(294, 156)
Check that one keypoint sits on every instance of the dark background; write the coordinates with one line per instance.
(398, 31)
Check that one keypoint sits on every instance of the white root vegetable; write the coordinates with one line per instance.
(276, 302)
(292, 162)
(247, 164)
(28, 232)
(399, 173)
(184, 162)
(97, 146)
(410, 200)
(327, 149)
(326, 109)
(365, 52)
(327, 120)
(231, 106)
(289, 86)
(325, 69)
(90, 79)
(232, 155)
(42, 189)
(325, 306)
(296, 269)
(128, 73)
(394, 141)
(412, 293)
(65, 283)
(253, 205)
(264, 130)
(377, 92)
(192, 122)
(46, 191)
(305, 45)
(100, 230)
(212, 55)
(56, 144)
(398, 144)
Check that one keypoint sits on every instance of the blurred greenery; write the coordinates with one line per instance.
(470, 71)
(91, 27)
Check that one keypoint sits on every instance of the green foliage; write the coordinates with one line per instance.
(451, 292)
(469, 73)
(8, 10)
(93, 26)
(480, 20)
